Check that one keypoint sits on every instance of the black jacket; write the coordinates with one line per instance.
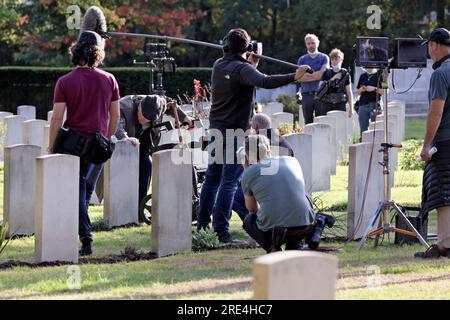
(234, 81)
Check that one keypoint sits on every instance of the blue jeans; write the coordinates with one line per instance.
(217, 196)
(365, 113)
(239, 203)
(89, 174)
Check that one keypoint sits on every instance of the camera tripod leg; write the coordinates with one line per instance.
(380, 229)
(370, 226)
(409, 224)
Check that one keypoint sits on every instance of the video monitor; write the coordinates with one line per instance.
(372, 52)
(410, 53)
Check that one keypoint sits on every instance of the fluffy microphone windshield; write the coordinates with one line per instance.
(94, 20)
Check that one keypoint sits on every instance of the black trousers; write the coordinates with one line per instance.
(264, 238)
(308, 107)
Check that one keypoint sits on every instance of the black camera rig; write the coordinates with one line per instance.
(158, 57)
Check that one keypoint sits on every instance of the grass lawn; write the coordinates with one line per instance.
(226, 274)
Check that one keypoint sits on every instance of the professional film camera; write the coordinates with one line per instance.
(158, 57)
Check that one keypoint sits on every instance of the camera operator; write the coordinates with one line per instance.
(436, 177)
(261, 124)
(279, 209)
(139, 114)
(369, 92)
(234, 78)
(318, 62)
(91, 96)
(335, 90)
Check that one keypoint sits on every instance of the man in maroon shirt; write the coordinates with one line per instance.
(91, 98)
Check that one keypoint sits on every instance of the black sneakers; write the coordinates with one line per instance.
(86, 247)
(226, 238)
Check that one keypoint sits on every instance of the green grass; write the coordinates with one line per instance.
(415, 129)
(226, 274)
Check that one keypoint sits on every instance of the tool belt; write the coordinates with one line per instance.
(334, 98)
(96, 149)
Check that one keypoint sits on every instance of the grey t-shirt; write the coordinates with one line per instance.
(281, 196)
(440, 90)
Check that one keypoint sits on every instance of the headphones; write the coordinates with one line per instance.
(439, 63)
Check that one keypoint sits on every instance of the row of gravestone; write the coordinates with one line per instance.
(22, 188)
(48, 204)
(334, 133)
(325, 141)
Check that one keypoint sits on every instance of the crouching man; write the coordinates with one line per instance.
(274, 191)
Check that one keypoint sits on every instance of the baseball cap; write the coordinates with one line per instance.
(153, 106)
(90, 37)
(440, 35)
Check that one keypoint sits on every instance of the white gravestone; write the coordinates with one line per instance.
(121, 185)
(295, 275)
(282, 117)
(272, 107)
(33, 132)
(3, 115)
(321, 153)
(331, 121)
(29, 112)
(302, 146)
(365, 188)
(171, 202)
(19, 188)
(56, 205)
(13, 125)
(341, 133)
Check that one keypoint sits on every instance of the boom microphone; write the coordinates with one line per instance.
(94, 20)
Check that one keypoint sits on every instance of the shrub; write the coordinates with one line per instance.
(408, 157)
(3, 241)
(205, 239)
(100, 224)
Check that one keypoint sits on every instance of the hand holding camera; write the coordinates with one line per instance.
(251, 57)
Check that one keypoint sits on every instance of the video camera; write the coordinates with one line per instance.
(160, 56)
(322, 220)
(373, 52)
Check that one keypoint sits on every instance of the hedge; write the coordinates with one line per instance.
(35, 85)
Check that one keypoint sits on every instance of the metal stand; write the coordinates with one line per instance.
(387, 205)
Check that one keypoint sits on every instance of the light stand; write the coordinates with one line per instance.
(381, 214)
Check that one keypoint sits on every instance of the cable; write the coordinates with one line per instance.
(419, 74)
(366, 185)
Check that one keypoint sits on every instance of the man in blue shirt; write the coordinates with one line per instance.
(319, 62)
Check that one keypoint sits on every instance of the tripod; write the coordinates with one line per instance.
(381, 214)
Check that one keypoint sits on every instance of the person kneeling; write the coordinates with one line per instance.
(274, 190)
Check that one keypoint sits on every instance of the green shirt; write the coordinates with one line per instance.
(278, 186)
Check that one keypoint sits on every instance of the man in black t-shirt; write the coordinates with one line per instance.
(233, 89)
(369, 91)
